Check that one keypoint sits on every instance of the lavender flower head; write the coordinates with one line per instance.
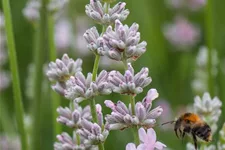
(61, 70)
(63, 35)
(31, 10)
(148, 141)
(95, 42)
(56, 5)
(121, 116)
(129, 83)
(66, 142)
(199, 84)
(92, 133)
(193, 5)
(79, 88)
(181, 33)
(209, 109)
(9, 143)
(72, 118)
(102, 15)
(123, 43)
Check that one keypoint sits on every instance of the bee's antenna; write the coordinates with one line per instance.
(168, 122)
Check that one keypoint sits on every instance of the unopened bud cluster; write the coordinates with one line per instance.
(121, 116)
(106, 16)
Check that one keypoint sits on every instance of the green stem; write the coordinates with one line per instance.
(95, 69)
(210, 44)
(93, 110)
(55, 99)
(135, 128)
(19, 112)
(78, 139)
(39, 61)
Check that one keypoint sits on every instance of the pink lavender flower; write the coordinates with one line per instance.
(63, 35)
(129, 83)
(121, 116)
(148, 141)
(193, 5)
(31, 10)
(182, 33)
(122, 43)
(97, 12)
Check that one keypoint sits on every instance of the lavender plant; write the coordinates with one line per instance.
(121, 44)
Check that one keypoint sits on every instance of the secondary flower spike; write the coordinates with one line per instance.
(61, 70)
(79, 88)
(99, 13)
(95, 42)
(121, 116)
(122, 43)
(66, 142)
(92, 132)
(129, 83)
(72, 118)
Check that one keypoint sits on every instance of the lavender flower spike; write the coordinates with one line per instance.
(95, 42)
(148, 141)
(99, 13)
(31, 11)
(61, 70)
(72, 118)
(121, 116)
(78, 88)
(129, 83)
(66, 142)
(209, 109)
(92, 133)
(123, 42)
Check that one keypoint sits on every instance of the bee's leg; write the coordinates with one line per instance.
(181, 133)
(175, 130)
(183, 136)
(195, 141)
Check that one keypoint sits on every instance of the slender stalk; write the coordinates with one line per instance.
(210, 44)
(78, 139)
(39, 61)
(135, 128)
(55, 99)
(95, 69)
(19, 112)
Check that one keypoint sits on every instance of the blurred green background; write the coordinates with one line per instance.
(171, 68)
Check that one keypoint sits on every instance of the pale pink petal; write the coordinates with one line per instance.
(141, 147)
(109, 104)
(142, 135)
(151, 95)
(130, 146)
(151, 137)
(159, 145)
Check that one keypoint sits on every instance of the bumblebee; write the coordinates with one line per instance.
(193, 125)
